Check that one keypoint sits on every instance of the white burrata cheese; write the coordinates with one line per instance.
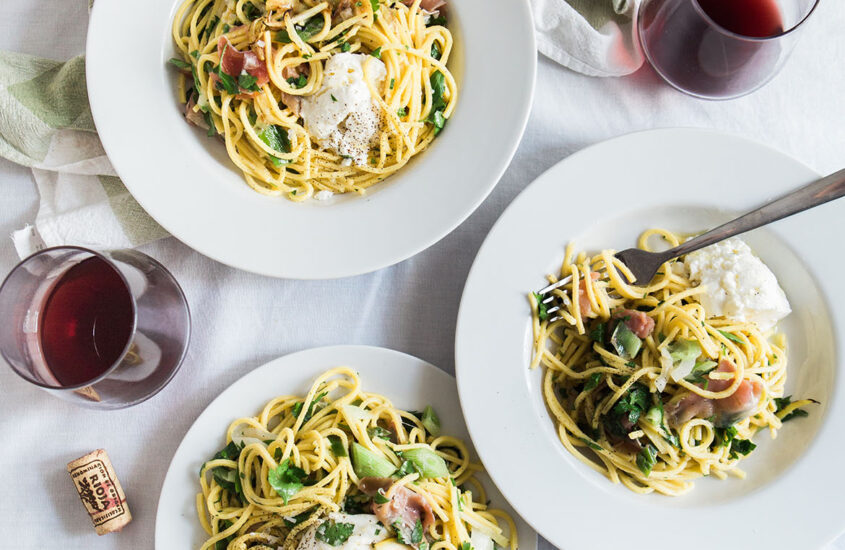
(367, 531)
(739, 285)
(342, 115)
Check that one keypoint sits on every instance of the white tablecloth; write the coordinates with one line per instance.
(241, 321)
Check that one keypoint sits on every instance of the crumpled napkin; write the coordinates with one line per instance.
(46, 124)
(594, 37)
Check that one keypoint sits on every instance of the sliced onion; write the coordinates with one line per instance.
(666, 365)
(683, 369)
(356, 414)
(244, 434)
(480, 540)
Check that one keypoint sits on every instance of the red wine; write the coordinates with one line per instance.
(695, 55)
(86, 322)
(756, 18)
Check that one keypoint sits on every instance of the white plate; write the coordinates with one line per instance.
(602, 197)
(408, 382)
(187, 183)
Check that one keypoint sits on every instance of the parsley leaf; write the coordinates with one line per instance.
(590, 444)
(375, 5)
(222, 544)
(226, 82)
(731, 337)
(344, 46)
(276, 138)
(286, 480)
(376, 53)
(298, 82)
(634, 403)
(646, 459)
(284, 145)
(597, 334)
(402, 112)
(306, 31)
(379, 497)
(378, 431)
(251, 11)
(741, 446)
(440, 20)
(417, 533)
(248, 82)
(333, 533)
(700, 372)
(724, 436)
(406, 468)
(783, 402)
(542, 309)
(593, 381)
(337, 446)
(179, 63)
(435, 51)
(438, 103)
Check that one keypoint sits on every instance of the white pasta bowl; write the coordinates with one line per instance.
(186, 182)
(685, 181)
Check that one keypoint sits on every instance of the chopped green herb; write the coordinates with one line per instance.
(179, 63)
(212, 130)
(333, 97)
(212, 24)
(783, 402)
(284, 145)
(226, 28)
(376, 53)
(597, 334)
(646, 459)
(378, 431)
(222, 544)
(593, 381)
(432, 21)
(392, 83)
(438, 103)
(298, 82)
(633, 403)
(344, 46)
(542, 309)
(417, 533)
(195, 54)
(402, 112)
(700, 372)
(286, 480)
(248, 82)
(252, 12)
(332, 533)
(379, 497)
(741, 446)
(375, 5)
(731, 337)
(590, 444)
(435, 50)
(306, 31)
(724, 436)
(337, 447)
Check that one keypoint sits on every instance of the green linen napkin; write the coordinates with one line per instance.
(46, 125)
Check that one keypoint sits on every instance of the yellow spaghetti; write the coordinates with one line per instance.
(340, 463)
(644, 385)
(250, 69)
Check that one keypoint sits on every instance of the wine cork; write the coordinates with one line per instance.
(100, 491)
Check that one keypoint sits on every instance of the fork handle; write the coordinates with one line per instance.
(816, 193)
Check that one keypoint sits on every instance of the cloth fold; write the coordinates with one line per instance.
(46, 124)
(593, 37)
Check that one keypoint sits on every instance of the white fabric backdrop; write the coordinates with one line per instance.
(241, 320)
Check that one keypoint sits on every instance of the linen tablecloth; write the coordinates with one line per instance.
(241, 321)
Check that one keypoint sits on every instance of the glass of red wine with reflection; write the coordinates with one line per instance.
(720, 49)
(101, 329)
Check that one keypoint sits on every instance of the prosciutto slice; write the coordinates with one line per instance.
(235, 62)
(728, 410)
(405, 506)
(427, 5)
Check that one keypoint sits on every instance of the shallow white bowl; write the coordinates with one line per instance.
(603, 197)
(408, 382)
(187, 183)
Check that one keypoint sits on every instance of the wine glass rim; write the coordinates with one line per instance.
(128, 341)
(745, 37)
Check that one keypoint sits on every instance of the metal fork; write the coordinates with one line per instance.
(644, 265)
